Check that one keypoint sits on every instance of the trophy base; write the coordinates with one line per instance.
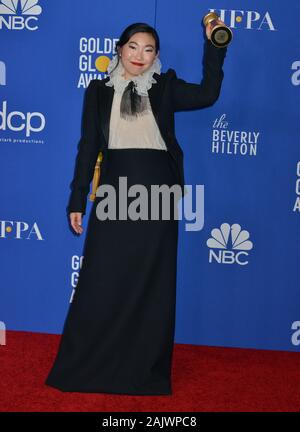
(221, 36)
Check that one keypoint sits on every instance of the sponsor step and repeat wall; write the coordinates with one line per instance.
(238, 258)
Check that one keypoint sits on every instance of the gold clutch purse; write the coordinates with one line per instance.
(96, 178)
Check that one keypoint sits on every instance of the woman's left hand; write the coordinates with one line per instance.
(209, 28)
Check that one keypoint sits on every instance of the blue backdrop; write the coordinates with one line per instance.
(238, 277)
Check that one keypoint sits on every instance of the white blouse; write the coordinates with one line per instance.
(142, 132)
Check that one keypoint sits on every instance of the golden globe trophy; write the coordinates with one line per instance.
(221, 35)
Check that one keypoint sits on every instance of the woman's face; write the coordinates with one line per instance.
(138, 54)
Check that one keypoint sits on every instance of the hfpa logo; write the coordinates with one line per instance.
(248, 20)
(229, 253)
(19, 14)
(19, 230)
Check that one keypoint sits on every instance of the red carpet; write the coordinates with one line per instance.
(204, 379)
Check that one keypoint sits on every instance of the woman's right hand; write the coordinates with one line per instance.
(76, 222)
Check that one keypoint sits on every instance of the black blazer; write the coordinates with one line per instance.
(168, 95)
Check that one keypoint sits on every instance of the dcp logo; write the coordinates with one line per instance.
(18, 121)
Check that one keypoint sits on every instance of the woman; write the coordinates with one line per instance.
(119, 332)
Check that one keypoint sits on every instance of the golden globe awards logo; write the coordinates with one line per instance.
(94, 58)
(297, 189)
(76, 264)
(229, 245)
(19, 14)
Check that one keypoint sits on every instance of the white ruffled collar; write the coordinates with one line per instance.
(143, 81)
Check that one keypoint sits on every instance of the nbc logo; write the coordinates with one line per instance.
(19, 14)
(224, 252)
(2, 333)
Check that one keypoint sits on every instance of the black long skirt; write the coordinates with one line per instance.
(119, 331)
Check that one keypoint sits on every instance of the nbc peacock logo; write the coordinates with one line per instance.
(229, 244)
(19, 14)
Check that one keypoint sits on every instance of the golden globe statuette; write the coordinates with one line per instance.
(221, 35)
(96, 177)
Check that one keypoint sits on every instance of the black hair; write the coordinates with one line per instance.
(136, 28)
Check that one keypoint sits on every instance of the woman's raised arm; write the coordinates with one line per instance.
(186, 95)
